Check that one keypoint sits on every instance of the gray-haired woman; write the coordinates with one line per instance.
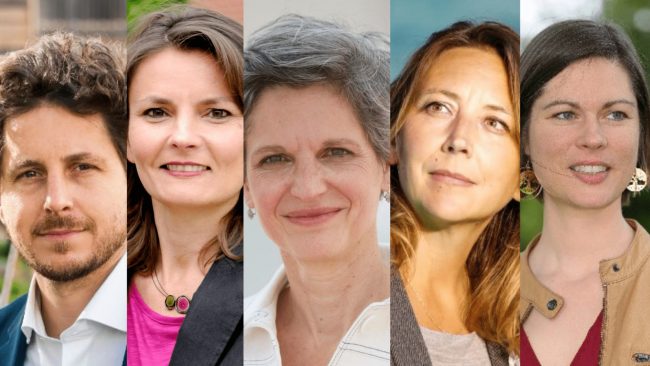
(316, 141)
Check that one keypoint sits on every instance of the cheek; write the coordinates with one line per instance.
(227, 148)
(16, 211)
(500, 166)
(144, 143)
(266, 190)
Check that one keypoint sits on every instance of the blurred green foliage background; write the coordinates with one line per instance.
(137, 8)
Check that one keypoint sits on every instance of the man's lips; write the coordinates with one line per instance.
(312, 216)
(445, 176)
(60, 233)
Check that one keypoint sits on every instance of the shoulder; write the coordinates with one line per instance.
(9, 313)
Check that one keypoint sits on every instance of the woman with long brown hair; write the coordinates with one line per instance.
(454, 200)
(185, 176)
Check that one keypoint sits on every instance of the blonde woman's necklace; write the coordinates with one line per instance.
(181, 304)
(424, 307)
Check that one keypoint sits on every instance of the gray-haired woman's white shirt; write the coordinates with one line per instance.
(367, 342)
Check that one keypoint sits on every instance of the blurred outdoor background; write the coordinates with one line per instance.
(634, 17)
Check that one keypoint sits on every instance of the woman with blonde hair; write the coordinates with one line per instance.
(454, 199)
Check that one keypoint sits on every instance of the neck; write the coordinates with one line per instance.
(436, 277)
(183, 233)
(440, 256)
(62, 302)
(574, 240)
(314, 298)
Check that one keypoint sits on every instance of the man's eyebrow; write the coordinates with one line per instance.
(26, 163)
(83, 157)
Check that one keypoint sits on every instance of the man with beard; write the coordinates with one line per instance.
(63, 201)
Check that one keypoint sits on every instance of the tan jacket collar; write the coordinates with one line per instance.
(548, 303)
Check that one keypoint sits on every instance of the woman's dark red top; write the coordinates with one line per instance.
(587, 354)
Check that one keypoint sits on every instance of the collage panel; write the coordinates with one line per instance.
(361, 154)
(316, 185)
(454, 195)
(185, 177)
(585, 115)
(63, 183)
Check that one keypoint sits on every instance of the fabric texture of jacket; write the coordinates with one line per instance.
(407, 345)
(13, 344)
(212, 332)
(626, 305)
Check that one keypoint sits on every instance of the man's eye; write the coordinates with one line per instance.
(28, 174)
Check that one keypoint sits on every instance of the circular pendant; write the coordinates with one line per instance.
(170, 302)
(528, 183)
(182, 304)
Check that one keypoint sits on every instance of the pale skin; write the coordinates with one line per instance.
(583, 223)
(312, 317)
(182, 113)
(312, 154)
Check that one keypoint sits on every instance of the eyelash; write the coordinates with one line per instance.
(503, 127)
(333, 153)
(32, 174)
(222, 113)
(150, 113)
(568, 115)
(436, 107)
(273, 159)
(622, 114)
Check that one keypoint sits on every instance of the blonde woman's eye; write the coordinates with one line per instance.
(437, 107)
(497, 125)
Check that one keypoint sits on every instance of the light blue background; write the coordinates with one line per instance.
(413, 21)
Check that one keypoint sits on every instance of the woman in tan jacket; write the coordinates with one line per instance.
(585, 278)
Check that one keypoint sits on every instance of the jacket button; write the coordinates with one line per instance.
(616, 267)
(551, 305)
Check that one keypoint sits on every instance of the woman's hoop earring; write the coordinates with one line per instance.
(638, 182)
(251, 213)
(528, 183)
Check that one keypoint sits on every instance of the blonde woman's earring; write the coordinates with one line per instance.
(528, 183)
(638, 182)
(251, 213)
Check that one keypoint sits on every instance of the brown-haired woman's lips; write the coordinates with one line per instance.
(452, 178)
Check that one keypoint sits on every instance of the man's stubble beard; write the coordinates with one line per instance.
(103, 249)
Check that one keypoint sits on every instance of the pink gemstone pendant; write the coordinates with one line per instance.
(182, 304)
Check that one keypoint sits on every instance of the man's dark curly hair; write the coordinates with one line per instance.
(83, 75)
